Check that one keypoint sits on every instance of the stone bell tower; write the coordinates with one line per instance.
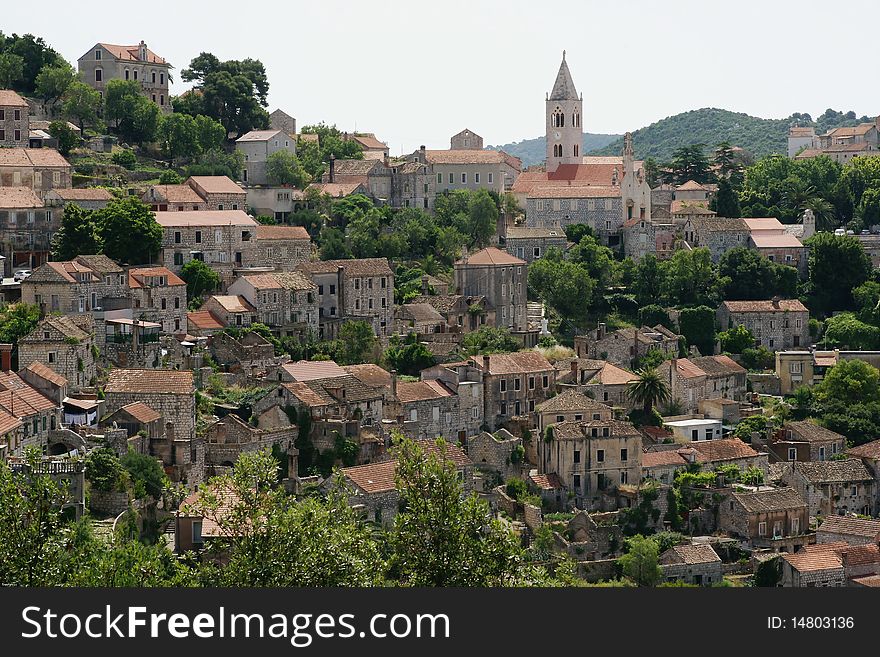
(564, 132)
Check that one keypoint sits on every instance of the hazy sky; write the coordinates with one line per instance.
(416, 72)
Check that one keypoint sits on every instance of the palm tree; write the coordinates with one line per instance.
(649, 390)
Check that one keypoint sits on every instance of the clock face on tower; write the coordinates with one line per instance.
(556, 135)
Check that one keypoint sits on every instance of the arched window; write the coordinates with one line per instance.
(558, 118)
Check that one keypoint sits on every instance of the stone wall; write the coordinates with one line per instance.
(108, 503)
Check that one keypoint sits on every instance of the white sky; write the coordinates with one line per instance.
(418, 71)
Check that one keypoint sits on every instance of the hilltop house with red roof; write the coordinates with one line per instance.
(105, 62)
(84, 284)
(64, 343)
(514, 385)
(285, 301)
(158, 295)
(598, 379)
(696, 379)
(626, 347)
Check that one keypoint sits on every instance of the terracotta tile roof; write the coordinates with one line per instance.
(808, 153)
(490, 256)
(869, 450)
(260, 135)
(130, 53)
(141, 412)
(851, 131)
(420, 312)
(463, 157)
(691, 186)
(826, 472)
(288, 280)
(20, 399)
(666, 458)
(783, 241)
(520, 362)
(173, 194)
(549, 481)
(574, 191)
(172, 382)
(868, 580)
(811, 432)
(205, 218)
(32, 157)
(226, 499)
(14, 198)
(306, 395)
(215, 184)
(354, 267)
(724, 449)
(579, 430)
(372, 375)
(8, 422)
(414, 391)
(282, 233)
(692, 554)
(84, 194)
(343, 389)
(571, 400)
(776, 499)
(203, 319)
(860, 555)
(61, 272)
(768, 306)
(528, 233)
(718, 225)
(45, 372)
(233, 303)
(718, 365)
(813, 558)
(99, 263)
(848, 525)
(369, 141)
(687, 369)
(373, 477)
(137, 277)
(8, 98)
(798, 131)
(310, 370)
(611, 375)
(339, 189)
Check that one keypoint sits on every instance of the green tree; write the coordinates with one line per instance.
(82, 104)
(11, 69)
(736, 340)
(66, 136)
(640, 563)
(128, 231)
(838, 265)
(697, 325)
(851, 381)
(359, 340)
(145, 473)
(210, 134)
(104, 470)
(442, 536)
(649, 389)
(16, 321)
(408, 355)
(315, 156)
(690, 163)
(564, 285)
(283, 168)
(652, 315)
(489, 340)
(200, 279)
(135, 117)
(482, 218)
(648, 283)
(846, 331)
(34, 55)
(170, 177)
(77, 234)
(53, 81)
(177, 136)
(726, 201)
(690, 278)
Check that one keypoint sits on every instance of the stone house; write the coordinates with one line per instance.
(593, 459)
(796, 368)
(41, 169)
(462, 313)
(85, 284)
(339, 189)
(418, 318)
(223, 239)
(158, 295)
(230, 310)
(281, 120)
(493, 453)
(806, 441)
(529, 244)
(105, 62)
(375, 174)
(230, 437)
(695, 563)
(625, 347)
(87, 198)
(65, 344)
(661, 465)
(718, 234)
(655, 237)
(285, 301)
(202, 323)
(571, 406)
(373, 149)
(425, 409)
(349, 290)
(770, 238)
(282, 247)
(14, 120)
(694, 380)
(833, 487)
(514, 384)
(499, 277)
(135, 418)
(813, 566)
(598, 206)
(711, 454)
(464, 169)
(169, 392)
(775, 518)
(848, 529)
(597, 379)
(371, 488)
(175, 198)
(257, 146)
(465, 379)
(249, 353)
(30, 405)
(550, 489)
(26, 227)
(412, 184)
(218, 192)
(466, 140)
(778, 324)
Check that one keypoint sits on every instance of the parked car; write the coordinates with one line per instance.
(21, 274)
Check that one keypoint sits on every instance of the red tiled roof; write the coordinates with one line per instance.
(32, 157)
(549, 481)
(47, 373)
(174, 382)
(130, 53)
(215, 184)
(20, 399)
(137, 276)
(725, 449)
(312, 370)
(812, 558)
(468, 156)
(413, 391)
(491, 256)
(141, 412)
(282, 233)
(15, 198)
(203, 319)
(205, 218)
(692, 554)
(84, 194)
(668, 457)
(520, 362)
(233, 303)
(9, 98)
(766, 306)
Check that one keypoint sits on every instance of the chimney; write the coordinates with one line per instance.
(340, 290)
(574, 370)
(394, 384)
(142, 51)
(425, 284)
(775, 301)
(6, 357)
(422, 157)
(600, 331)
(332, 168)
(486, 364)
(169, 432)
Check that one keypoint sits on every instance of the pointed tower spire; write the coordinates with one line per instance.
(563, 88)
